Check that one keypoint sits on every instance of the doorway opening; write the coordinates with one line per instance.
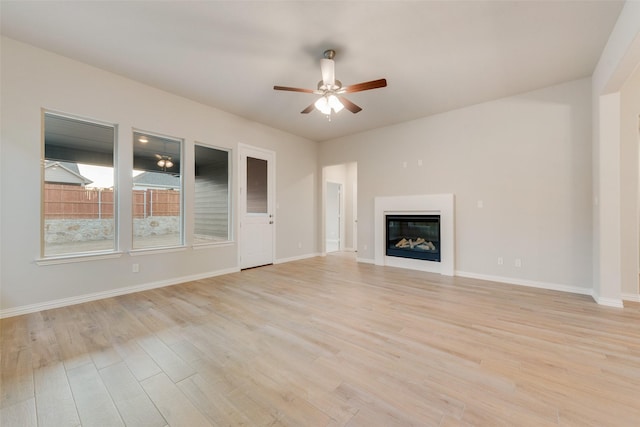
(333, 217)
(340, 208)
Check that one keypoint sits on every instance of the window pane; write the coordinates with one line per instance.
(256, 186)
(157, 188)
(78, 186)
(211, 195)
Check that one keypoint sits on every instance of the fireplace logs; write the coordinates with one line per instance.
(419, 243)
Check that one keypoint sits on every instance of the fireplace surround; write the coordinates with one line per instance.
(422, 206)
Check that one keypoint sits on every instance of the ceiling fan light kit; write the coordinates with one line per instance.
(331, 89)
(164, 162)
(326, 104)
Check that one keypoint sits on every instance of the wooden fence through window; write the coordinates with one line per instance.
(75, 202)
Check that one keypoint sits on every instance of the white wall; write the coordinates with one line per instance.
(619, 59)
(33, 79)
(629, 175)
(527, 158)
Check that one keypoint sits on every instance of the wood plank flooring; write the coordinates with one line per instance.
(325, 342)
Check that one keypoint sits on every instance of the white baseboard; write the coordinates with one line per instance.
(365, 260)
(32, 308)
(530, 283)
(296, 258)
(609, 302)
(631, 297)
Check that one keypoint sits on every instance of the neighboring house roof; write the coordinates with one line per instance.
(156, 180)
(64, 173)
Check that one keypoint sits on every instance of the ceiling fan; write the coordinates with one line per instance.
(331, 90)
(164, 161)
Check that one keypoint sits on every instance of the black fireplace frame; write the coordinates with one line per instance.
(417, 225)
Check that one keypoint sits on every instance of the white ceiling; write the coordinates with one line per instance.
(435, 55)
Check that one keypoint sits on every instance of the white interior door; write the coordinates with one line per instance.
(256, 201)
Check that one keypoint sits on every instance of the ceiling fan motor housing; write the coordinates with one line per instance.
(329, 88)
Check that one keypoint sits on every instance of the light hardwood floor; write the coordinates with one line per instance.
(325, 342)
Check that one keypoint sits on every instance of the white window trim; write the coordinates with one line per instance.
(68, 259)
(79, 256)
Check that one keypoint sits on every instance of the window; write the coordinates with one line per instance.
(78, 188)
(211, 195)
(256, 186)
(157, 191)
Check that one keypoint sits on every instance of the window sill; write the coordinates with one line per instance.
(152, 251)
(67, 259)
(198, 246)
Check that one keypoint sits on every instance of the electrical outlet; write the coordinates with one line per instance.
(135, 268)
(518, 262)
(500, 260)
(364, 247)
(299, 245)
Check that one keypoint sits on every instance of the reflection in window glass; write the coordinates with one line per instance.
(256, 186)
(78, 190)
(157, 190)
(211, 195)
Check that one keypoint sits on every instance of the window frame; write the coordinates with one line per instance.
(230, 218)
(182, 217)
(114, 251)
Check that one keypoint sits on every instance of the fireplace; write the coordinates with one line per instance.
(428, 205)
(413, 236)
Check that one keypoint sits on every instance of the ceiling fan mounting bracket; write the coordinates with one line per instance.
(329, 53)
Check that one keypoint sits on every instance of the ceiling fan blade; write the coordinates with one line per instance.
(308, 109)
(373, 84)
(294, 89)
(328, 68)
(349, 105)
